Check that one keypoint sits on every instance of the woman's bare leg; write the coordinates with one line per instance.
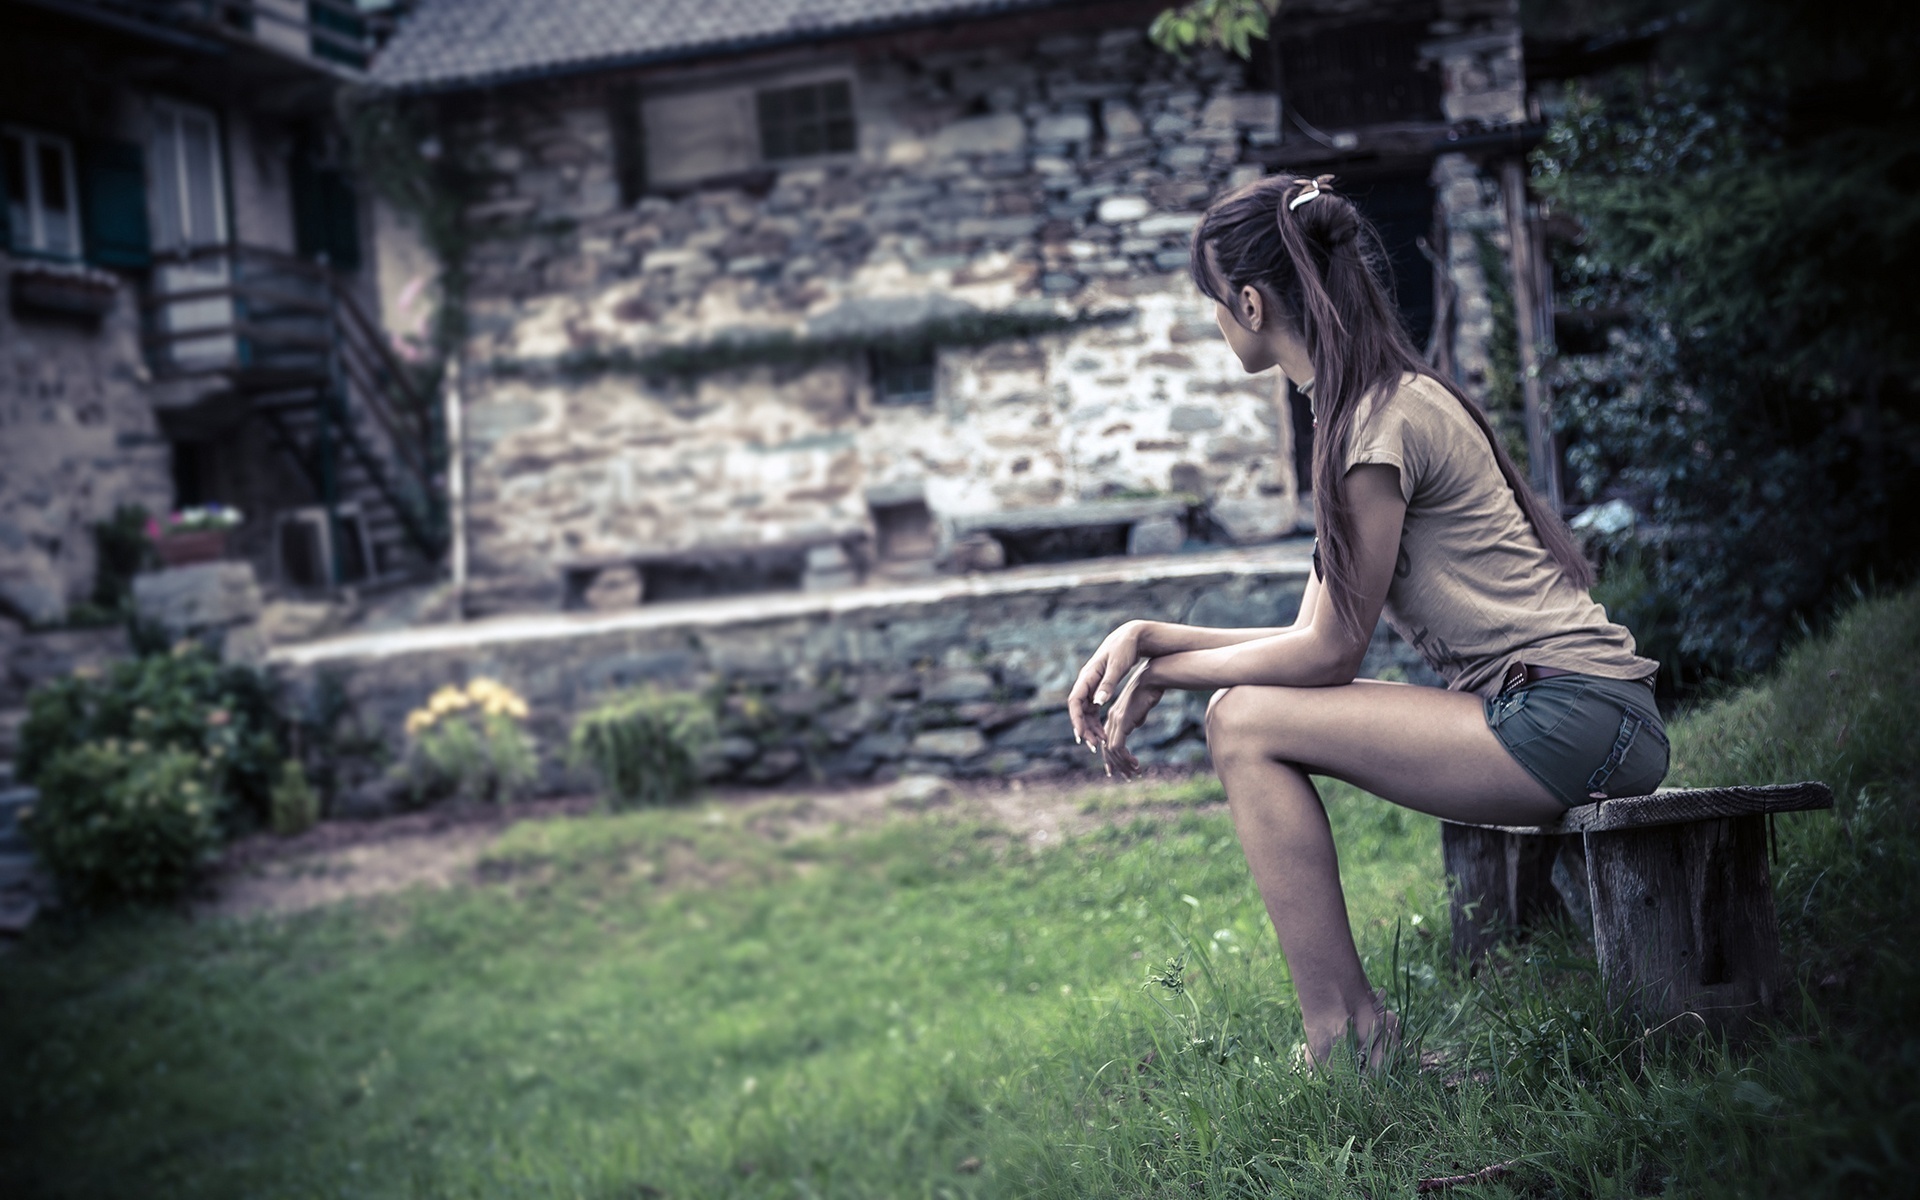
(1420, 747)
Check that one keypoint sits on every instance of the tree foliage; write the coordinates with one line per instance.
(1232, 25)
(1758, 215)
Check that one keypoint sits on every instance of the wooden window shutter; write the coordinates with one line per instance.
(113, 198)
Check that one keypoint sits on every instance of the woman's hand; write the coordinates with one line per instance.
(1128, 712)
(1098, 681)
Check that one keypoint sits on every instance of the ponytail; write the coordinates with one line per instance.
(1314, 252)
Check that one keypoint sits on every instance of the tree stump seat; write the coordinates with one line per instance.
(1675, 887)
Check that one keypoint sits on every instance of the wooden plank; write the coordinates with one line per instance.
(1684, 919)
(1679, 806)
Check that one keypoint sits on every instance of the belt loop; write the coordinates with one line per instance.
(1630, 725)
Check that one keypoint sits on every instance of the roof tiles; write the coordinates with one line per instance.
(446, 45)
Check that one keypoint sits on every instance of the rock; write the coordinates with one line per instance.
(920, 792)
(189, 600)
(614, 589)
(1168, 225)
(950, 743)
(284, 622)
(1001, 133)
(957, 687)
(886, 746)
(1121, 122)
(242, 645)
(1260, 519)
(1067, 127)
(1156, 535)
(1041, 733)
(774, 765)
(1007, 762)
(1192, 418)
(1118, 210)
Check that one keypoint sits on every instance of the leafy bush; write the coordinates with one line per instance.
(645, 744)
(467, 744)
(124, 821)
(1760, 403)
(295, 806)
(224, 716)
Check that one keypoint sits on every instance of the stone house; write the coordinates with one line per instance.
(799, 292)
(189, 277)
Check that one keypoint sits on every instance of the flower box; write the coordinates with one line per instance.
(193, 535)
(186, 549)
(62, 290)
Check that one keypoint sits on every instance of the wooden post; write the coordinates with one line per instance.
(1502, 882)
(1684, 919)
(1543, 458)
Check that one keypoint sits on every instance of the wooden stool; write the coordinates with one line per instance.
(1675, 886)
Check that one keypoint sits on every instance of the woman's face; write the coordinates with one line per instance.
(1260, 340)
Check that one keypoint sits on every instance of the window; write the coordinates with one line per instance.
(800, 122)
(43, 216)
(903, 376)
(686, 138)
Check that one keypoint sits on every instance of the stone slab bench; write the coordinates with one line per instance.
(1150, 526)
(809, 563)
(1675, 885)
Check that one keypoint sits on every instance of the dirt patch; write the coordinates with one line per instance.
(346, 860)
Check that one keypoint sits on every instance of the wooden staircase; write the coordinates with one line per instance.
(357, 423)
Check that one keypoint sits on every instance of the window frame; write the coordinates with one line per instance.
(34, 243)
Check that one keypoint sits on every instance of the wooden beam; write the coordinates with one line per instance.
(1543, 457)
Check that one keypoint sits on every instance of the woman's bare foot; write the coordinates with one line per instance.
(1374, 1031)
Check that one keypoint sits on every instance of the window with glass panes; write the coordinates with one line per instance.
(43, 211)
(812, 119)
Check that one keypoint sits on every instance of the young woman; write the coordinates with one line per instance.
(1422, 517)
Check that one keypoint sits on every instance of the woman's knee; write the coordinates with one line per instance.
(1230, 720)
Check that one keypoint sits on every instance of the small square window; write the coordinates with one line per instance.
(801, 122)
(903, 376)
(36, 172)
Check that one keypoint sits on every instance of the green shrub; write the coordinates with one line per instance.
(186, 699)
(645, 745)
(296, 808)
(468, 745)
(124, 822)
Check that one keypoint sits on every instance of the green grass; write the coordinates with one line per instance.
(667, 1003)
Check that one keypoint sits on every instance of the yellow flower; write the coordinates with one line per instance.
(418, 720)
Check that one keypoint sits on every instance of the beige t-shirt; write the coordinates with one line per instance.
(1474, 588)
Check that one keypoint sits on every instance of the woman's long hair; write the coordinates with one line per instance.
(1324, 263)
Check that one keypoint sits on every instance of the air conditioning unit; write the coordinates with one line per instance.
(310, 556)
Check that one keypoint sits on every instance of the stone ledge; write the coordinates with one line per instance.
(1290, 559)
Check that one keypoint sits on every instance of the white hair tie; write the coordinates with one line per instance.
(1312, 193)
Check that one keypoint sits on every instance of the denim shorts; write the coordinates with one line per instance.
(1584, 737)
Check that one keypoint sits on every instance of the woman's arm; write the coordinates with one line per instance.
(1123, 649)
(1165, 637)
(1318, 652)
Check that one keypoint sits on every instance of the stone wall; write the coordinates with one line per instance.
(77, 439)
(1049, 185)
(962, 677)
